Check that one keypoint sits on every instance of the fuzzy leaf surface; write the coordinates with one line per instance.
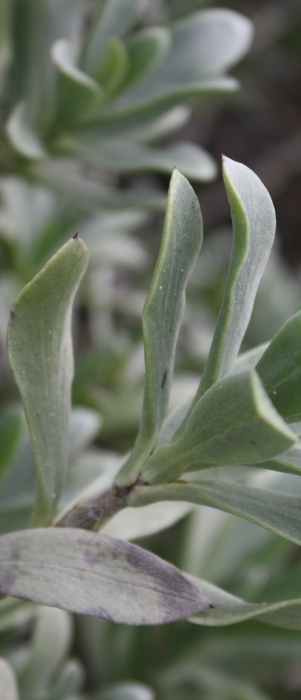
(163, 312)
(41, 358)
(234, 423)
(280, 369)
(91, 574)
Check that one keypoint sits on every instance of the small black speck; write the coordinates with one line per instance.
(75, 236)
(164, 379)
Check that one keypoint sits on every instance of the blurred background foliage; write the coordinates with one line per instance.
(88, 145)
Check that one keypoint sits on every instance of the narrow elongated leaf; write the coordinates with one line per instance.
(8, 685)
(229, 609)
(277, 512)
(280, 369)
(78, 93)
(162, 314)
(22, 135)
(289, 462)
(124, 156)
(253, 235)
(95, 575)
(40, 355)
(115, 18)
(233, 423)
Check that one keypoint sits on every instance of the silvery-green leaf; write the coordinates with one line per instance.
(78, 93)
(50, 644)
(280, 369)
(22, 134)
(41, 359)
(122, 156)
(84, 427)
(114, 19)
(162, 315)
(8, 684)
(233, 423)
(250, 358)
(204, 44)
(69, 682)
(229, 609)
(280, 513)
(289, 462)
(253, 235)
(126, 691)
(146, 49)
(134, 523)
(113, 68)
(88, 573)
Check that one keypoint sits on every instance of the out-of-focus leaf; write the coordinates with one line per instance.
(146, 49)
(77, 91)
(114, 67)
(133, 523)
(229, 609)
(162, 315)
(249, 359)
(280, 369)
(69, 682)
(51, 641)
(41, 359)
(126, 691)
(253, 231)
(5, 39)
(120, 155)
(15, 614)
(279, 513)
(8, 685)
(88, 573)
(84, 427)
(22, 135)
(115, 18)
(289, 462)
(204, 44)
(233, 423)
(11, 431)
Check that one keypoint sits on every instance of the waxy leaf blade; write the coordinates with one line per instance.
(41, 358)
(289, 462)
(280, 369)
(234, 423)
(253, 235)
(280, 513)
(162, 314)
(91, 574)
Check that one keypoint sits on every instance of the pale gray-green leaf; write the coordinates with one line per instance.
(253, 235)
(233, 423)
(70, 681)
(134, 523)
(162, 315)
(78, 93)
(22, 134)
(289, 462)
(229, 609)
(280, 369)
(8, 684)
(88, 573)
(126, 691)
(280, 513)
(146, 49)
(41, 358)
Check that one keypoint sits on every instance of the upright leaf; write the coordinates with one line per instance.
(91, 574)
(40, 355)
(162, 315)
(233, 423)
(8, 685)
(280, 369)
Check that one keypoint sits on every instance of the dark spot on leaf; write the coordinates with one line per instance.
(229, 436)
(164, 379)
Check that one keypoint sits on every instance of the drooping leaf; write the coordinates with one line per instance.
(8, 684)
(91, 574)
(124, 156)
(162, 315)
(233, 423)
(280, 369)
(229, 609)
(253, 234)
(114, 19)
(41, 359)
(280, 513)
(22, 135)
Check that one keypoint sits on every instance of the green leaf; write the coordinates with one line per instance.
(115, 18)
(78, 93)
(114, 67)
(280, 513)
(289, 462)
(126, 691)
(229, 609)
(40, 355)
(124, 156)
(8, 683)
(162, 315)
(88, 573)
(253, 235)
(233, 423)
(69, 682)
(146, 50)
(134, 523)
(11, 431)
(280, 369)
(22, 135)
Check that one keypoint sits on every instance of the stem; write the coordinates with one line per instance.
(94, 513)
